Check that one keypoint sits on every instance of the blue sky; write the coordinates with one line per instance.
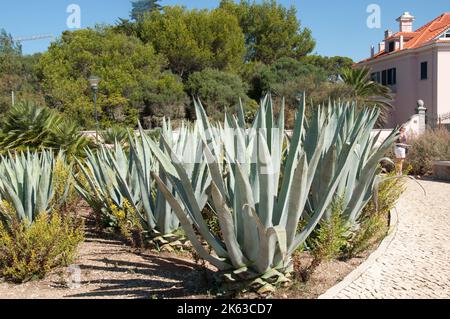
(339, 26)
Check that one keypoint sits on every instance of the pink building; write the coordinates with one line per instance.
(416, 66)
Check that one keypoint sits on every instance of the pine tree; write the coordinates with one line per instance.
(142, 6)
(8, 45)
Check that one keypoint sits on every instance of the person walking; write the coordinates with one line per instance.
(401, 149)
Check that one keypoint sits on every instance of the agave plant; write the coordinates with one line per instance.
(158, 218)
(115, 177)
(26, 184)
(357, 188)
(100, 187)
(258, 192)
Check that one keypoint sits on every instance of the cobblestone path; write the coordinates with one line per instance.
(416, 263)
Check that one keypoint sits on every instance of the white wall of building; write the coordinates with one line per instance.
(410, 88)
(443, 82)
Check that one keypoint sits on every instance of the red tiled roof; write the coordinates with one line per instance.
(421, 36)
(404, 34)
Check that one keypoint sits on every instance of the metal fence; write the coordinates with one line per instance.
(443, 120)
(447, 126)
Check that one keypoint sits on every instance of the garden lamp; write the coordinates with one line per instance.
(94, 82)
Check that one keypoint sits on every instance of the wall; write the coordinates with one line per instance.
(443, 78)
(410, 87)
(412, 127)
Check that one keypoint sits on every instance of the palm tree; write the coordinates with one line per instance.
(368, 92)
(29, 126)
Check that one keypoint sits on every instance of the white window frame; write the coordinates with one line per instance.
(445, 35)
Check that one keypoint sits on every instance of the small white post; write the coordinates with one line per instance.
(13, 98)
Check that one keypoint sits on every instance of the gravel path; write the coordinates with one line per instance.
(416, 264)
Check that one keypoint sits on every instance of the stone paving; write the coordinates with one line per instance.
(416, 264)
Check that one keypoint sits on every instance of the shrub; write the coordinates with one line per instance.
(286, 78)
(30, 252)
(372, 230)
(65, 196)
(36, 232)
(389, 192)
(329, 238)
(373, 225)
(128, 223)
(431, 146)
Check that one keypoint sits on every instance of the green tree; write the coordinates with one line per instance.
(332, 65)
(287, 79)
(368, 92)
(16, 73)
(7, 44)
(134, 79)
(193, 40)
(271, 30)
(140, 7)
(284, 72)
(125, 26)
(219, 92)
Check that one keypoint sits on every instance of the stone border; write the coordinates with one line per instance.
(358, 272)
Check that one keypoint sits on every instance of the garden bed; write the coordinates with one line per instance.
(110, 269)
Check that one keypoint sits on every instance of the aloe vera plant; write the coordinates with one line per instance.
(26, 183)
(258, 191)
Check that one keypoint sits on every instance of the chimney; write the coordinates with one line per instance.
(372, 51)
(402, 42)
(387, 34)
(381, 46)
(406, 22)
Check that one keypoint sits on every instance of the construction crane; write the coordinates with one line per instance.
(34, 37)
(30, 38)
